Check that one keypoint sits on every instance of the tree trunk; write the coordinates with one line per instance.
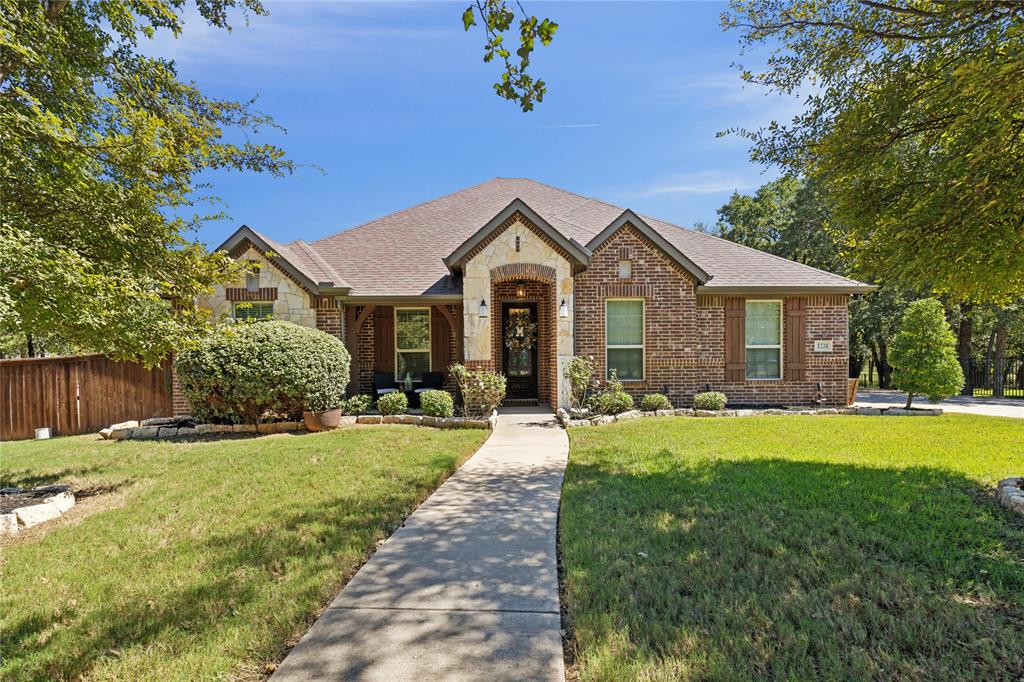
(999, 372)
(31, 346)
(910, 399)
(963, 343)
(884, 368)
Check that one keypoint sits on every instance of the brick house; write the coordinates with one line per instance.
(669, 309)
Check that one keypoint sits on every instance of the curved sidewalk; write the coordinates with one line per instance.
(467, 588)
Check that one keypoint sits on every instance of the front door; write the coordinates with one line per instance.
(518, 363)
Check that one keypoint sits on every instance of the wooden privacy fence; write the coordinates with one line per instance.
(79, 394)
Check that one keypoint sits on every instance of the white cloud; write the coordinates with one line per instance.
(570, 125)
(701, 182)
(749, 105)
(323, 29)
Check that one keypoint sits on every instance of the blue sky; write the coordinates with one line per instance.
(394, 103)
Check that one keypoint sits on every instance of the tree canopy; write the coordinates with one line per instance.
(913, 125)
(101, 149)
(785, 217)
(924, 353)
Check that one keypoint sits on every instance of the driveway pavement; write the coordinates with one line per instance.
(467, 588)
(992, 407)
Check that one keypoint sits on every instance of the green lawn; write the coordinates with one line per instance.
(794, 548)
(200, 560)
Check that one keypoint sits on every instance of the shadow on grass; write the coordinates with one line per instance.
(295, 554)
(30, 478)
(786, 569)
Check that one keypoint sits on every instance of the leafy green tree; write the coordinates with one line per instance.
(874, 320)
(913, 126)
(101, 149)
(924, 353)
(785, 217)
(497, 17)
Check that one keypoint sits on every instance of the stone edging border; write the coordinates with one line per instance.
(30, 515)
(1010, 492)
(169, 428)
(566, 421)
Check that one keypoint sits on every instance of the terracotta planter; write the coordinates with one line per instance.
(322, 421)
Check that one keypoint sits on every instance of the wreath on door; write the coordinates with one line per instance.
(520, 331)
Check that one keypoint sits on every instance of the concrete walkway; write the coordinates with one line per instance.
(992, 407)
(467, 588)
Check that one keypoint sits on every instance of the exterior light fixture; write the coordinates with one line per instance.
(563, 309)
(520, 291)
(483, 308)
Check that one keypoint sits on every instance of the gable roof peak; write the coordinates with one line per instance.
(628, 217)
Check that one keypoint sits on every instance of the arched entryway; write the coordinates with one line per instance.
(523, 296)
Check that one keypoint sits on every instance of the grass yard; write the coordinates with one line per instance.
(200, 560)
(794, 548)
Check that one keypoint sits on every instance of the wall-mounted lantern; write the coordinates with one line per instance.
(563, 309)
(483, 308)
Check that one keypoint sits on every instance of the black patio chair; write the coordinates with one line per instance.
(383, 383)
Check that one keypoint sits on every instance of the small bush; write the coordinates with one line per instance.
(580, 374)
(709, 400)
(655, 401)
(246, 372)
(393, 403)
(358, 404)
(437, 403)
(482, 390)
(612, 402)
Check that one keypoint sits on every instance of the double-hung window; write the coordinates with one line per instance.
(624, 338)
(412, 342)
(763, 335)
(253, 310)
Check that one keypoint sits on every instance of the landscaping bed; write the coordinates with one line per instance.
(201, 559)
(772, 547)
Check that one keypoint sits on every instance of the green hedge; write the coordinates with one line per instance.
(250, 372)
(437, 403)
(655, 401)
(393, 403)
(710, 400)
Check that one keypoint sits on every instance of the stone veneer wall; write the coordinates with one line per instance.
(293, 303)
(500, 250)
(685, 333)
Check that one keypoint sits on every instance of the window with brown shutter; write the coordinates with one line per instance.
(383, 339)
(795, 339)
(440, 339)
(735, 321)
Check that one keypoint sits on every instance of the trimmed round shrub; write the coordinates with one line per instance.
(393, 403)
(437, 403)
(709, 400)
(655, 401)
(245, 373)
(358, 404)
(612, 402)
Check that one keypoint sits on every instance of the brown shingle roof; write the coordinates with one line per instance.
(401, 254)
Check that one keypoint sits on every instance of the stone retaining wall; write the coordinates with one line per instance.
(168, 428)
(567, 421)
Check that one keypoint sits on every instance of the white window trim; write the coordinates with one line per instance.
(430, 340)
(643, 338)
(234, 309)
(779, 346)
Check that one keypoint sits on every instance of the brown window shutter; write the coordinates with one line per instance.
(795, 331)
(440, 342)
(735, 333)
(384, 339)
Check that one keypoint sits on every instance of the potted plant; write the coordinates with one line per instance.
(319, 414)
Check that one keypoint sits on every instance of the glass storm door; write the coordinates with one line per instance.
(519, 364)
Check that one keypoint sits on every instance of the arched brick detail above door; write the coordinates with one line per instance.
(531, 272)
